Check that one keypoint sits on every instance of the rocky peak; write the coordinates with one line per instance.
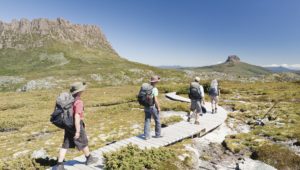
(233, 59)
(23, 33)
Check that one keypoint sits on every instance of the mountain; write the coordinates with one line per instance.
(233, 65)
(279, 69)
(59, 52)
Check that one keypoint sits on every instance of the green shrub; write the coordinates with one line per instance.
(26, 163)
(132, 157)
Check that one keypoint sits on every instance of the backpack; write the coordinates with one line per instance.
(145, 97)
(195, 92)
(62, 116)
(213, 91)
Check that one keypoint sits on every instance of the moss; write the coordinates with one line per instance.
(171, 120)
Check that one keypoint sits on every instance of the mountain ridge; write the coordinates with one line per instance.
(23, 34)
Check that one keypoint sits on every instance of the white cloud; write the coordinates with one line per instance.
(289, 66)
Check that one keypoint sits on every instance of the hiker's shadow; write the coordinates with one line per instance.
(69, 164)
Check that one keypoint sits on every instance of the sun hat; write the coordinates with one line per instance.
(77, 87)
(197, 79)
(154, 79)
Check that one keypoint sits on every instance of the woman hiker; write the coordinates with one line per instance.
(153, 111)
(214, 93)
(76, 137)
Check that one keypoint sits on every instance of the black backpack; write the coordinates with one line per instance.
(195, 92)
(145, 96)
(62, 116)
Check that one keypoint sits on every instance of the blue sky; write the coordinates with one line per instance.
(182, 32)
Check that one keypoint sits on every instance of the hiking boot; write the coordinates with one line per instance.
(91, 160)
(188, 119)
(160, 136)
(60, 167)
(197, 123)
(213, 111)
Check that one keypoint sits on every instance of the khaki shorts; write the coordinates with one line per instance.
(196, 106)
(214, 99)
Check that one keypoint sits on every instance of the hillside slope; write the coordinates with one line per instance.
(66, 52)
(234, 66)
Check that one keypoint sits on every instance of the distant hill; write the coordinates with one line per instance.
(279, 69)
(41, 48)
(170, 67)
(233, 65)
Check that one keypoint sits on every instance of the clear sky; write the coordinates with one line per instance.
(182, 32)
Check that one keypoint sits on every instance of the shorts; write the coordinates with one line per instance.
(214, 99)
(70, 142)
(196, 106)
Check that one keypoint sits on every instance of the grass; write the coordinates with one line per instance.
(112, 113)
(278, 105)
(80, 64)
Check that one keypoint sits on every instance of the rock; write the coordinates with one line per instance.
(21, 153)
(96, 77)
(10, 80)
(46, 83)
(12, 34)
(250, 164)
(39, 154)
(233, 59)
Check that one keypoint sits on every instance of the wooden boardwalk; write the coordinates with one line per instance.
(171, 134)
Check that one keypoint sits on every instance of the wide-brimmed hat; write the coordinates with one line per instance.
(77, 87)
(154, 79)
(197, 79)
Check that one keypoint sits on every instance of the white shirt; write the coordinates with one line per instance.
(202, 91)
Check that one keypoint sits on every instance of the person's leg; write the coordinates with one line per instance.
(68, 142)
(198, 112)
(212, 104)
(193, 110)
(216, 103)
(62, 154)
(190, 113)
(147, 123)
(157, 122)
(86, 151)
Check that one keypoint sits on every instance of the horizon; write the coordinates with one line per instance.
(204, 31)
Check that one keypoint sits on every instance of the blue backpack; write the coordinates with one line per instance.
(213, 91)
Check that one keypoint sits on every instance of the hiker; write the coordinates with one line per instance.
(148, 97)
(196, 95)
(76, 136)
(214, 93)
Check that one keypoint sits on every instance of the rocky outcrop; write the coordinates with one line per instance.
(233, 59)
(23, 34)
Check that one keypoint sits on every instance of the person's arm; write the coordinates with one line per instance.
(78, 110)
(157, 103)
(202, 94)
(77, 125)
